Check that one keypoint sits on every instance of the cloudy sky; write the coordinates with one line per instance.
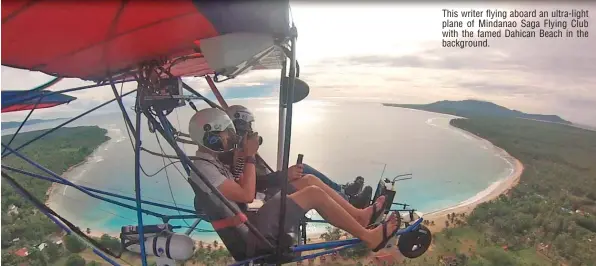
(393, 53)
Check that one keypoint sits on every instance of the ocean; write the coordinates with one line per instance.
(341, 139)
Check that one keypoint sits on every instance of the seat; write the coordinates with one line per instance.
(232, 229)
(389, 194)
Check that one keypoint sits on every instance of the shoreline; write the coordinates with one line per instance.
(65, 175)
(501, 187)
(496, 189)
(68, 174)
(439, 217)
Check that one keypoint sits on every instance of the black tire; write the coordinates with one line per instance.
(421, 238)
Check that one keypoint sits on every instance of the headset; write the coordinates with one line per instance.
(213, 141)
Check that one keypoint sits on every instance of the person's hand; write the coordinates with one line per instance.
(295, 172)
(251, 144)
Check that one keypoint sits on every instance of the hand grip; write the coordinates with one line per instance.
(300, 157)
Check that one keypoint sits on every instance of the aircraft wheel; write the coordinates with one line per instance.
(414, 244)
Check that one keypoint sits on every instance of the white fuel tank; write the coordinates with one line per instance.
(179, 247)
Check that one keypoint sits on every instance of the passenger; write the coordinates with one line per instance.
(214, 132)
(244, 121)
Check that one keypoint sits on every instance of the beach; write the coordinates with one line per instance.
(453, 183)
(439, 217)
(71, 173)
(66, 175)
(492, 192)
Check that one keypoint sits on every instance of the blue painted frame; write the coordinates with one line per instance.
(167, 131)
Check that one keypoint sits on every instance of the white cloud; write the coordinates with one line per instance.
(394, 53)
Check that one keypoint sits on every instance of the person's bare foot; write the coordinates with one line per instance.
(376, 234)
(367, 213)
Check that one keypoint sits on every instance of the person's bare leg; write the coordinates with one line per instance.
(361, 215)
(376, 235)
(313, 197)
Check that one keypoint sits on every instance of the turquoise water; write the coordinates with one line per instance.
(342, 140)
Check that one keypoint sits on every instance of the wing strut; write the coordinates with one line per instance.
(287, 139)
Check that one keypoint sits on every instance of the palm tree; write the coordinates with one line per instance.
(195, 258)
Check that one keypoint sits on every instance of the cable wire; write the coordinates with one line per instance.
(168, 177)
(126, 193)
(164, 168)
(77, 201)
(163, 159)
(130, 137)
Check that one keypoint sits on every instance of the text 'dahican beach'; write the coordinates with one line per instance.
(462, 28)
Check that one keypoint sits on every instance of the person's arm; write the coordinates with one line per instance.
(230, 189)
(244, 191)
(249, 176)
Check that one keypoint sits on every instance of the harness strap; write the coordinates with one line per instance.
(238, 168)
(233, 221)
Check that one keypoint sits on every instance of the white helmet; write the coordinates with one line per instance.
(204, 126)
(242, 117)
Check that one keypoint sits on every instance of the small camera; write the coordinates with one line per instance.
(240, 140)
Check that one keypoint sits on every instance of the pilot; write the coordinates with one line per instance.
(214, 133)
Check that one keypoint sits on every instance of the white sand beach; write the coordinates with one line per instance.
(439, 217)
(492, 192)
